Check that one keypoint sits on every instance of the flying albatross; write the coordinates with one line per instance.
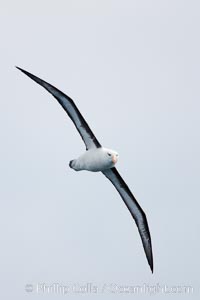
(99, 159)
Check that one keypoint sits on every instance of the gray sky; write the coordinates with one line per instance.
(132, 68)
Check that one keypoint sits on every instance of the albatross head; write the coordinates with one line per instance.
(112, 156)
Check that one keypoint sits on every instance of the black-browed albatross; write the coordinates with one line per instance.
(97, 158)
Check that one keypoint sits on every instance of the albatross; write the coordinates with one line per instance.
(97, 158)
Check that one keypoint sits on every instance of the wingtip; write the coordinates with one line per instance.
(149, 256)
(18, 68)
(151, 264)
(21, 69)
(33, 77)
(151, 267)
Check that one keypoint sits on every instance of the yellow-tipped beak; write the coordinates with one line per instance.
(114, 158)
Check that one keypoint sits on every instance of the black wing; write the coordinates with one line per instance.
(69, 106)
(135, 210)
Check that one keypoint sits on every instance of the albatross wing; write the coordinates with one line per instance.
(69, 106)
(135, 210)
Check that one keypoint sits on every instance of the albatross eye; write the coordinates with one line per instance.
(109, 154)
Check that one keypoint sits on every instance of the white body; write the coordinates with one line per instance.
(95, 160)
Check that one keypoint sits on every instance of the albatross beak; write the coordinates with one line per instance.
(114, 158)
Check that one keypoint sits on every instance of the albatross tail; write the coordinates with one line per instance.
(71, 163)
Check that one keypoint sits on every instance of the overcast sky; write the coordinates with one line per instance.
(132, 67)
